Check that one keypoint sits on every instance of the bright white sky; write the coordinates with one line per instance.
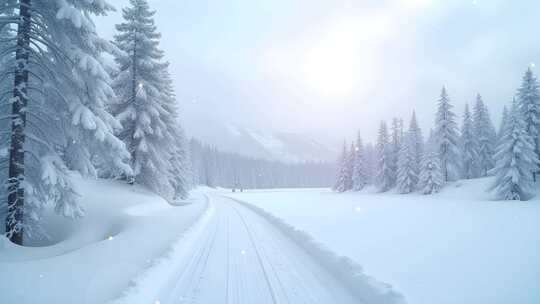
(331, 67)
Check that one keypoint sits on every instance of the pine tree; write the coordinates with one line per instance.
(469, 154)
(360, 178)
(504, 121)
(407, 171)
(417, 140)
(58, 114)
(529, 103)
(143, 106)
(343, 180)
(485, 137)
(181, 171)
(385, 170)
(431, 175)
(7, 44)
(396, 138)
(410, 157)
(351, 160)
(370, 161)
(516, 158)
(447, 138)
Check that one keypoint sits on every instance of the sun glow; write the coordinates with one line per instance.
(338, 62)
(415, 3)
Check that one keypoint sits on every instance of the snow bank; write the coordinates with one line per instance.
(153, 284)
(362, 286)
(93, 260)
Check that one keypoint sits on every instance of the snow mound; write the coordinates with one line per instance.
(92, 260)
(362, 286)
(145, 210)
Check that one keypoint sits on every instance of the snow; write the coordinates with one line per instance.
(276, 246)
(126, 230)
(458, 246)
(349, 273)
(133, 247)
(155, 282)
(242, 257)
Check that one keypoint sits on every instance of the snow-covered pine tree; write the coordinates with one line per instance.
(343, 178)
(351, 160)
(57, 108)
(370, 161)
(396, 137)
(516, 158)
(180, 176)
(181, 171)
(504, 121)
(485, 137)
(417, 139)
(469, 154)
(410, 157)
(407, 170)
(360, 178)
(385, 172)
(6, 84)
(431, 176)
(142, 108)
(447, 138)
(529, 103)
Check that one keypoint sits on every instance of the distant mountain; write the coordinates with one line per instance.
(284, 146)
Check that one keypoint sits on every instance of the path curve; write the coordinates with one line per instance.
(242, 258)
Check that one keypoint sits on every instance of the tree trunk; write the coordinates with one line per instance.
(15, 214)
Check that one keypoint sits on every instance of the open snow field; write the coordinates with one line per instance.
(133, 247)
(457, 247)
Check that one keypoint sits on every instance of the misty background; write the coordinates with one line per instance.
(291, 79)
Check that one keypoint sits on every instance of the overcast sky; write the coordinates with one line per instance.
(330, 67)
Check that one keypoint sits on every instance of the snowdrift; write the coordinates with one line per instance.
(155, 283)
(94, 259)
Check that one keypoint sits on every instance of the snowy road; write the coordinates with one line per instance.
(242, 258)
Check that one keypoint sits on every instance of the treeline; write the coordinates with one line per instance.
(65, 109)
(215, 168)
(404, 161)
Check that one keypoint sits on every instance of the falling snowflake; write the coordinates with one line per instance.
(243, 252)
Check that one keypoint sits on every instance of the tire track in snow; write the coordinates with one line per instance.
(244, 257)
(262, 252)
(295, 292)
(350, 275)
(198, 276)
(259, 259)
(195, 269)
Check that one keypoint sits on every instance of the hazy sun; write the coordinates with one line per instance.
(415, 3)
(336, 64)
